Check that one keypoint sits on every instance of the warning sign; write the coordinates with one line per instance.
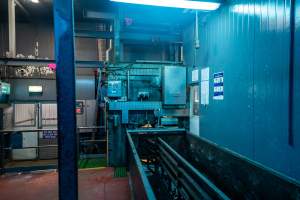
(50, 134)
(219, 86)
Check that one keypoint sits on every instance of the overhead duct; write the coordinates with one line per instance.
(101, 49)
(12, 29)
(109, 50)
(105, 47)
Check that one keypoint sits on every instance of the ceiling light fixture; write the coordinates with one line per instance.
(35, 1)
(195, 5)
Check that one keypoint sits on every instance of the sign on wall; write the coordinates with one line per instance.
(79, 107)
(205, 86)
(218, 86)
(50, 134)
(195, 75)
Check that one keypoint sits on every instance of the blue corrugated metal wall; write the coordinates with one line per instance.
(249, 41)
(296, 152)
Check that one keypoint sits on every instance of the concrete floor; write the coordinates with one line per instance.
(31, 163)
(93, 184)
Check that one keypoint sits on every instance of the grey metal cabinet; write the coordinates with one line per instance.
(174, 85)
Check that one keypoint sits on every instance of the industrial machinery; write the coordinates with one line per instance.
(142, 95)
(147, 111)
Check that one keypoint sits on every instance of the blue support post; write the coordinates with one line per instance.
(65, 79)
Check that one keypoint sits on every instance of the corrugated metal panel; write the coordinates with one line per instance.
(249, 42)
(271, 75)
(49, 114)
(24, 115)
(227, 41)
(49, 152)
(8, 118)
(295, 153)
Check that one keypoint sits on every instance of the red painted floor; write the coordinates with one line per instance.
(93, 184)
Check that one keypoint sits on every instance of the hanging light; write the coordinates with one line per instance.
(195, 5)
(35, 1)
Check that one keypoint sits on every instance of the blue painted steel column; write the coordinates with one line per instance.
(65, 81)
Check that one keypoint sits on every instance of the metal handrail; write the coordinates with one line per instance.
(9, 148)
(183, 163)
(148, 189)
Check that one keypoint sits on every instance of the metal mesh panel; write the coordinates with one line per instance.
(24, 114)
(49, 114)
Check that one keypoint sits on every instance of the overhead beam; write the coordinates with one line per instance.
(65, 83)
(169, 38)
(94, 34)
(38, 62)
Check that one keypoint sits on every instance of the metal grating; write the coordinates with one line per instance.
(120, 172)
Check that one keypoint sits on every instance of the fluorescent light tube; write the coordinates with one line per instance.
(35, 1)
(35, 89)
(195, 5)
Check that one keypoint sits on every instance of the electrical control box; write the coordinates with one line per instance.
(174, 85)
(114, 89)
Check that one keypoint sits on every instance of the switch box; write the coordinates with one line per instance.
(174, 85)
(114, 89)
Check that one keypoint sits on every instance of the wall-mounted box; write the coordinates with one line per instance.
(114, 89)
(174, 85)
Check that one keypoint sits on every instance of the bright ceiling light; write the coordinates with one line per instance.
(35, 1)
(35, 89)
(195, 5)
